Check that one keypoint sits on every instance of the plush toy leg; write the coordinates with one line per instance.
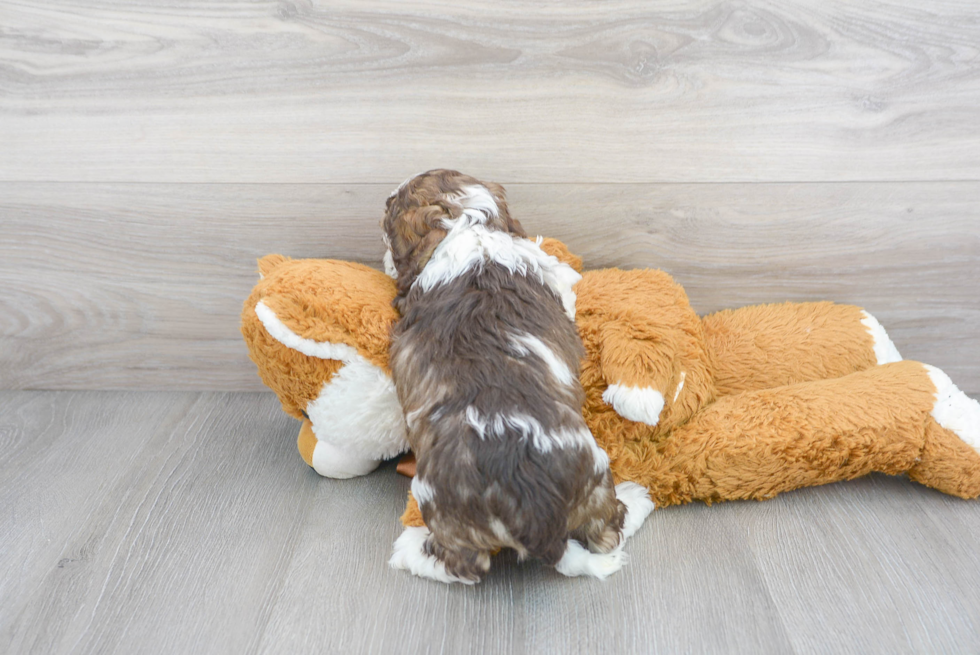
(306, 442)
(757, 444)
(950, 460)
(766, 346)
(328, 460)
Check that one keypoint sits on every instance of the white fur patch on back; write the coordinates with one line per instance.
(640, 404)
(470, 244)
(525, 343)
(885, 350)
(954, 410)
(528, 427)
(578, 561)
(409, 555)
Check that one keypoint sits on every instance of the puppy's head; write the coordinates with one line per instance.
(422, 211)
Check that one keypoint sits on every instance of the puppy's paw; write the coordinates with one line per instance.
(578, 561)
(638, 507)
(410, 555)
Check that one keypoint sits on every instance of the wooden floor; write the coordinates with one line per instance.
(151, 150)
(181, 522)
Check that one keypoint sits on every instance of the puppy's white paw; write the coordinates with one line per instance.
(638, 506)
(577, 561)
(409, 555)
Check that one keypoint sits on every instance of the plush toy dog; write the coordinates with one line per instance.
(740, 404)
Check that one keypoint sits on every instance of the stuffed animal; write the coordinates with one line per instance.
(740, 404)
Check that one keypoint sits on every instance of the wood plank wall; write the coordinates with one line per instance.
(760, 152)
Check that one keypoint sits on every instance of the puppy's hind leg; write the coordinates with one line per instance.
(467, 564)
(600, 518)
(578, 561)
(417, 552)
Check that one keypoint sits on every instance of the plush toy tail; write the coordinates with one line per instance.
(894, 418)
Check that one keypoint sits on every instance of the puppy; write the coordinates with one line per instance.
(486, 363)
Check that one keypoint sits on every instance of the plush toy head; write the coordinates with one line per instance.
(318, 333)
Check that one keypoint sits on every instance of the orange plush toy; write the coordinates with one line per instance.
(743, 403)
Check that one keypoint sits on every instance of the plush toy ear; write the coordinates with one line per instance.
(268, 263)
(560, 250)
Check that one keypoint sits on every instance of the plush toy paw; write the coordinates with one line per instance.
(640, 404)
(954, 410)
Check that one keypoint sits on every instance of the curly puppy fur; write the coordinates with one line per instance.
(486, 363)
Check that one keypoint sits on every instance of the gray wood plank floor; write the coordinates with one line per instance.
(182, 522)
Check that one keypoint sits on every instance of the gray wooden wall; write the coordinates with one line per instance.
(151, 151)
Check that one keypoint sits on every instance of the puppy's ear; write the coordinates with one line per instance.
(414, 236)
(512, 225)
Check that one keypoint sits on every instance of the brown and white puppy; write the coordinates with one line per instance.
(485, 359)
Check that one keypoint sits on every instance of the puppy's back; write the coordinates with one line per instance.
(487, 366)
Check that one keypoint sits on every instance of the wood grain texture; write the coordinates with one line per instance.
(350, 92)
(141, 285)
(177, 522)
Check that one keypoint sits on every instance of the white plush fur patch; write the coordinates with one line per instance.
(885, 350)
(954, 410)
(680, 386)
(357, 413)
(320, 349)
(640, 404)
(578, 561)
(409, 555)
(333, 462)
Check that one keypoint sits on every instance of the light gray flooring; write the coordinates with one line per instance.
(169, 522)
